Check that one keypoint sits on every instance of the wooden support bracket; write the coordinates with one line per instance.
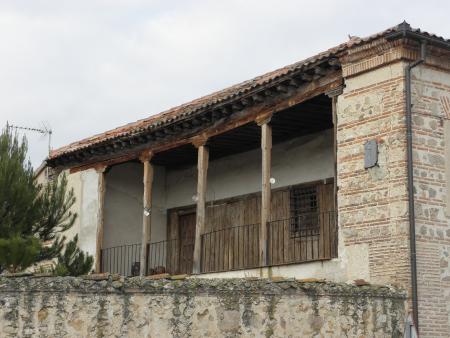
(263, 119)
(200, 140)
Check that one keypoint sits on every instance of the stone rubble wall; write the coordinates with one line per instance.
(139, 307)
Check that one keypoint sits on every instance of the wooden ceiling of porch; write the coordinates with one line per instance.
(305, 118)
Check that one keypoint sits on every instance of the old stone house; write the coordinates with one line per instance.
(335, 167)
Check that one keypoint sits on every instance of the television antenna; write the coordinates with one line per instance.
(44, 130)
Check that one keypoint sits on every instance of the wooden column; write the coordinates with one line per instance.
(100, 216)
(266, 147)
(333, 108)
(147, 209)
(333, 236)
(202, 167)
(333, 94)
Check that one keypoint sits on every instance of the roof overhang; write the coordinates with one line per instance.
(287, 90)
(229, 108)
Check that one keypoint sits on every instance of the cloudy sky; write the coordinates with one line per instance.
(83, 67)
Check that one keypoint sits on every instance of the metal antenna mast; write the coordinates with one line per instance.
(44, 131)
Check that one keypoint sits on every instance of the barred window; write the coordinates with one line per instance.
(304, 211)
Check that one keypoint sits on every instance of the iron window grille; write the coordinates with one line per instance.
(304, 211)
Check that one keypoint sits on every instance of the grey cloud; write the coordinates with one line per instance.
(89, 66)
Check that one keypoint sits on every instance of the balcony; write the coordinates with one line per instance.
(307, 237)
(256, 194)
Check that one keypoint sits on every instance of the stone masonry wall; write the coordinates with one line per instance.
(431, 121)
(373, 203)
(135, 307)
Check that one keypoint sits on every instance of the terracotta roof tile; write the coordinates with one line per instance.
(229, 93)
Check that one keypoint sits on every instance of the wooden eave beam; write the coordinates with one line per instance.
(306, 77)
(226, 110)
(269, 92)
(237, 106)
(247, 101)
(149, 137)
(319, 71)
(257, 98)
(334, 62)
(141, 138)
(216, 114)
(294, 82)
(196, 122)
(282, 88)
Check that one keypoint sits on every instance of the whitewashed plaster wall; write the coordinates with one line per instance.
(303, 159)
(85, 186)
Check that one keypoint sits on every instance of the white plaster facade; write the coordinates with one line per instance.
(85, 186)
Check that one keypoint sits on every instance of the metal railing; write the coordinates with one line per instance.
(164, 257)
(123, 259)
(230, 248)
(303, 238)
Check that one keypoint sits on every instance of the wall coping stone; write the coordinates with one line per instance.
(195, 286)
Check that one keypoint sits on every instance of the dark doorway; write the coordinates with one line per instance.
(186, 224)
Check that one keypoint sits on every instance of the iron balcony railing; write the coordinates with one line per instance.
(161, 257)
(123, 259)
(164, 257)
(303, 238)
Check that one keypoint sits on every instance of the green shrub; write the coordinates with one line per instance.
(18, 253)
(73, 262)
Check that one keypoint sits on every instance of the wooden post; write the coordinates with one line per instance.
(202, 166)
(333, 111)
(147, 210)
(333, 94)
(266, 147)
(100, 217)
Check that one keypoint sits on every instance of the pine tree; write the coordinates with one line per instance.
(31, 215)
(73, 262)
(19, 193)
(18, 252)
(56, 216)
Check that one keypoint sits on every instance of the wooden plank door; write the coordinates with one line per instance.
(186, 225)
